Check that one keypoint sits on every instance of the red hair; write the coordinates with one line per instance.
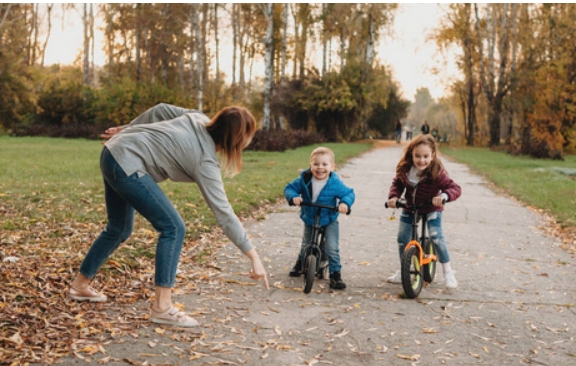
(232, 130)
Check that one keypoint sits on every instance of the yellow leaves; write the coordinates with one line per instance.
(240, 282)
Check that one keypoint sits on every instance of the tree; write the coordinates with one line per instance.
(497, 72)
(268, 11)
(459, 29)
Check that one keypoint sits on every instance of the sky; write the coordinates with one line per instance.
(406, 50)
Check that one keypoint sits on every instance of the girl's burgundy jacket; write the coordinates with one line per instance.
(425, 190)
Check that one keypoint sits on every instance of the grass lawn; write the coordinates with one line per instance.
(58, 181)
(546, 184)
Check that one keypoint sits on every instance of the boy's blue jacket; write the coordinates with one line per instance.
(333, 193)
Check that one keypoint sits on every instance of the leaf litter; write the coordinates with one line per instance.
(39, 324)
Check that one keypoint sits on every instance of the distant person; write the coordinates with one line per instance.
(398, 128)
(320, 184)
(425, 128)
(435, 133)
(167, 142)
(408, 133)
(420, 177)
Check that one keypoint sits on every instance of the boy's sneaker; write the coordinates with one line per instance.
(395, 278)
(450, 279)
(172, 316)
(336, 281)
(295, 271)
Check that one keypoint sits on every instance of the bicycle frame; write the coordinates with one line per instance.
(415, 241)
(317, 235)
(313, 252)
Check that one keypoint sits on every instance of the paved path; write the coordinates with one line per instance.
(514, 303)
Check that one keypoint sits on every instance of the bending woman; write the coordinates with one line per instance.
(167, 142)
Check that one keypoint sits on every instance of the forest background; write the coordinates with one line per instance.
(517, 64)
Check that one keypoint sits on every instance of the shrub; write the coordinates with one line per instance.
(281, 140)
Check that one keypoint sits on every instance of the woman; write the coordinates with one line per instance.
(167, 142)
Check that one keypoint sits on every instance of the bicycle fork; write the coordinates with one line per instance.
(423, 258)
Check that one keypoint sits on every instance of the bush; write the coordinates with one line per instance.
(281, 140)
(70, 130)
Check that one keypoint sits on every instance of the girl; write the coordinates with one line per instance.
(421, 177)
(167, 142)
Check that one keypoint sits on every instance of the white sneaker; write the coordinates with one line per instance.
(395, 278)
(450, 279)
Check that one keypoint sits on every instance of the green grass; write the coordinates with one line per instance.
(536, 182)
(58, 181)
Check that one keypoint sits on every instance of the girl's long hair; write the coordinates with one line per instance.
(406, 162)
(232, 130)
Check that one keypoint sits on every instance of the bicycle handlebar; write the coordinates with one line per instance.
(403, 204)
(333, 208)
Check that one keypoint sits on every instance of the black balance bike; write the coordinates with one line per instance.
(313, 257)
(418, 263)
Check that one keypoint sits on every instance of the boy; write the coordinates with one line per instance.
(320, 184)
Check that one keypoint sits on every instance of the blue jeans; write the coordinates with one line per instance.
(434, 231)
(332, 235)
(124, 195)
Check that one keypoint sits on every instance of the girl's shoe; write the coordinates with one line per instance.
(450, 279)
(395, 278)
(87, 294)
(172, 316)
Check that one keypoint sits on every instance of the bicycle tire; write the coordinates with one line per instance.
(411, 272)
(310, 273)
(429, 270)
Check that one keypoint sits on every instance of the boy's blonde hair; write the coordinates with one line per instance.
(323, 151)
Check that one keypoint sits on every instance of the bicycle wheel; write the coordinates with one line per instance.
(411, 273)
(310, 273)
(429, 270)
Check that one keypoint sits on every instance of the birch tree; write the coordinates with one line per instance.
(268, 11)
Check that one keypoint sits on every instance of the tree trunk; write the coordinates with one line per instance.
(86, 63)
(138, 42)
(284, 36)
(200, 60)
(49, 18)
(324, 40)
(370, 52)
(268, 10)
(193, 45)
(110, 42)
(217, 42)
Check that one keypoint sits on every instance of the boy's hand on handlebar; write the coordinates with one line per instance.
(438, 201)
(296, 201)
(392, 202)
(343, 208)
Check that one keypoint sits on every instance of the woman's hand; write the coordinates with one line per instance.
(257, 271)
(111, 132)
(392, 202)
